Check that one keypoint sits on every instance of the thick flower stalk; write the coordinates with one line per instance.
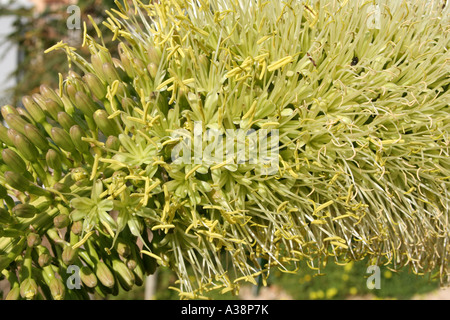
(129, 165)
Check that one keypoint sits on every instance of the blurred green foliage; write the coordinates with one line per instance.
(334, 282)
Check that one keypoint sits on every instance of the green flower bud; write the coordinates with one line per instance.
(33, 109)
(85, 104)
(16, 122)
(88, 277)
(7, 109)
(57, 289)
(112, 143)
(97, 64)
(68, 104)
(53, 108)
(53, 160)
(152, 69)
(110, 72)
(61, 221)
(78, 174)
(76, 134)
(139, 65)
(62, 139)
(107, 126)
(26, 148)
(122, 248)
(33, 239)
(14, 161)
(40, 101)
(24, 210)
(105, 56)
(69, 255)
(16, 181)
(104, 274)
(77, 227)
(65, 120)
(28, 289)
(138, 270)
(36, 137)
(73, 74)
(71, 90)
(44, 259)
(49, 93)
(124, 275)
(25, 115)
(12, 134)
(131, 263)
(128, 67)
(95, 85)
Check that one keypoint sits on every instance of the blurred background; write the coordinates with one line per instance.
(29, 27)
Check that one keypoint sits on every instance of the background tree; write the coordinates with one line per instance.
(35, 31)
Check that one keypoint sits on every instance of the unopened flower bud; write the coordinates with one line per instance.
(36, 137)
(95, 85)
(16, 180)
(112, 143)
(77, 227)
(25, 147)
(104, 274)
(28, 289)
(107, 126)
(69, 255)
(65, 120)
(57, 289)
(61, 221)
(44, 259)
(85, 104)
(110, 72)
(33, 109)
(124, 275)
(16, 122)
(33, 239)
(62, 139)
(53, 108)
(14, 161)
(53, 159)
(4, 137)
(76, 134)
(49, 93)
(24, 210)
(152, 69)
(8, 109)
(88, 277)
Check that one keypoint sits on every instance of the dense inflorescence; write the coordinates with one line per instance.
(358, 94)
